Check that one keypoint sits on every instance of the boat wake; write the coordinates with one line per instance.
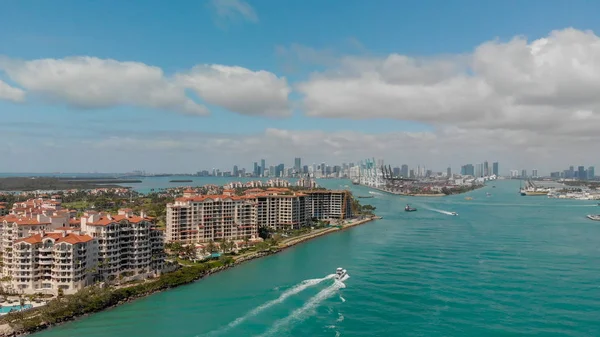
(290, 292)
(302, 312)
(442, 211)
(375, 193)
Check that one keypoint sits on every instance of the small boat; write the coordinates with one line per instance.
(594, 217)
(340, 273)
(409, 209)
(453, 213)
(487, 193)
(468, 198)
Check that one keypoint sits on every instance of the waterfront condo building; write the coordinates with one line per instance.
(129, 246)
(281, 211)
(44, 251)
(326, 204)
(47, 262)
(204, 218)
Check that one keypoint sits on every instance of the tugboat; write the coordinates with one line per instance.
(409, 209)
(340, 274)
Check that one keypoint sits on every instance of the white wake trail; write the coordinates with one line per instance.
(290, 292)
(440, 211)
(299, 313)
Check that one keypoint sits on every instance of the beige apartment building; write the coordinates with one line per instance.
(204, 218)
(326, 204)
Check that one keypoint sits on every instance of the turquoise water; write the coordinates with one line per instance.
(506, 266)
(7, 308)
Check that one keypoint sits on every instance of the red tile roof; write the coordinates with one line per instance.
(37, 238)
(104, 220)
(73, 238)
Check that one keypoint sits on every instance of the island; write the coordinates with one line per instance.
(185, 254)
(60, 183)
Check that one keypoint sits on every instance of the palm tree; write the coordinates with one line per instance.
(211, 247)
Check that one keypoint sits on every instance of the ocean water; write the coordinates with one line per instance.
(506, 266)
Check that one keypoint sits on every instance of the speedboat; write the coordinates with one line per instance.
(409, 209)
(594, 217)
(453, 213)
(340, 273)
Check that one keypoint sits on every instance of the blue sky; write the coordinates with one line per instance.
(301, 45)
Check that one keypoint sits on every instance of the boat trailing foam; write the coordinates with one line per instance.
(286, 294)
(311, 304)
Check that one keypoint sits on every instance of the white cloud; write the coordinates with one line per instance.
(548, 85)
(10, 93)
(230, 9)
(238, 89)
(92, 83)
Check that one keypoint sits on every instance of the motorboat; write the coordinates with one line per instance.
(340, 273)
(453, 213)
(409, 209)
(594, 217)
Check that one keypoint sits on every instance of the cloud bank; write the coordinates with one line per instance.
(94, 83)
(524, 102)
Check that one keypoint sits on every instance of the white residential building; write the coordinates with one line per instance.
(50, 251)
(124, 244)
(47, 262)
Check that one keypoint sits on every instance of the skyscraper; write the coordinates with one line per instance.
(467, 170)
(255, 172)
(298, 165)
(449, 172)
(479, 170)
(571, 172)
(235, 171)
(524, 174)
(590, 173)
(404, 171)
(262, 167)
(534, 173)
(495, 169)
(486, 168)
(581, 173)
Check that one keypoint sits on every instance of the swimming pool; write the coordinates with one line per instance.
(7, 308)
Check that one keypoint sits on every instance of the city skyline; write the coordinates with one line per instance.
(237, 80)
(477, 169)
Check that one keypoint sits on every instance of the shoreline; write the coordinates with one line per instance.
(6, 330)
